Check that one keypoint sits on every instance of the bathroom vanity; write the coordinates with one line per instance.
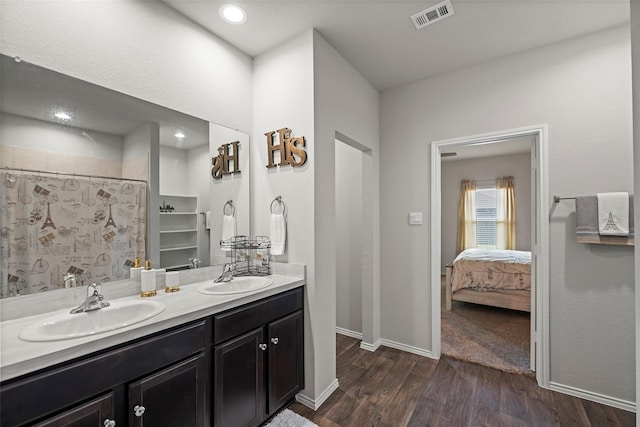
(206, 360)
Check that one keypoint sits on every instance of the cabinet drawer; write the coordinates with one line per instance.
(30, 398)
(237, 321)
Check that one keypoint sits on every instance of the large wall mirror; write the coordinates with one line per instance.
(93, 178)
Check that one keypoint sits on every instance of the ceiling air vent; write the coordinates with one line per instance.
(433, 14)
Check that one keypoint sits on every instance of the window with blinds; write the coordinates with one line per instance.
(486, 218)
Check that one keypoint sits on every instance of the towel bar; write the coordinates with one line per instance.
(557, 199)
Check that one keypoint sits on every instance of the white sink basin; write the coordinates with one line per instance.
(236, 286)
(118, 315)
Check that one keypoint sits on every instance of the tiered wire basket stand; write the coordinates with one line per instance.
(250, 257)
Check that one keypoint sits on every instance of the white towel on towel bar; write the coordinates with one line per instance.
(228, 229)
(613, 214)
(207, 220)
(278, 234)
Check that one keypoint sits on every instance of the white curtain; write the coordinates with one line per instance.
(51, 225)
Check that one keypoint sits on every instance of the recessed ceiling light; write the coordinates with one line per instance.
(62, 115)
(179, 134)
(233, 14)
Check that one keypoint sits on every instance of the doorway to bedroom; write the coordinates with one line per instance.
(486, 229)
(490, 181)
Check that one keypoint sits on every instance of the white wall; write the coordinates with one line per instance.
(23, 132)
(199, 178)
(173, 171)
(323, 94)
(292, 93)
(141, 48)
(141, 160)
(348, 237)
(33, 144)
(234, 187)
(581, 88)
(486, 168)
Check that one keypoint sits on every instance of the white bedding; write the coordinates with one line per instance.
(474, 254)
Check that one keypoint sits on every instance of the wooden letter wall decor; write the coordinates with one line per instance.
(291, 150)
(220, 164)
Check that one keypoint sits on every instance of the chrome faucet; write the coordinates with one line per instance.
(94, 301)
(70, 280)
(195, 262)
(227, 273)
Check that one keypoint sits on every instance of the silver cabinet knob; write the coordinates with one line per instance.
(109, 423)
(262, 347)
(138, 410)
(274, 340)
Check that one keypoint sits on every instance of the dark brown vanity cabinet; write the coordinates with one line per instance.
(160, 380)
(242, 365)
(173, 397)
(258, 359)
(97, 412)
(285, 339)
(239, 381)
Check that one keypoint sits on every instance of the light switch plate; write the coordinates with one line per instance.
(415, 218)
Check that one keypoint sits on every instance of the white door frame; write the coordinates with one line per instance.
(539, 238)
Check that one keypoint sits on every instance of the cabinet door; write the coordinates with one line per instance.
(238, 390)
(173, 397)
(96, 413)
(286, 359)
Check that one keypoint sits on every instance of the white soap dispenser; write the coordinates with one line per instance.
(148, 281)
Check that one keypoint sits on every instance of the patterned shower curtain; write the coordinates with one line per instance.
(51, 225)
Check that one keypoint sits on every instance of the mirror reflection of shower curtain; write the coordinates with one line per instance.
(50, 225)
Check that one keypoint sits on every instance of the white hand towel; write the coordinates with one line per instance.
(278, 234)
(207, 220)
(228, 229)
(613, 214)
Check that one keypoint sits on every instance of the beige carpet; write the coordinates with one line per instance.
(488, 336)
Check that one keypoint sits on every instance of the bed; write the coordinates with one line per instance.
(498, 278)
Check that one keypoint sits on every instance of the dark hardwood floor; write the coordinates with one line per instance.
(394, 388)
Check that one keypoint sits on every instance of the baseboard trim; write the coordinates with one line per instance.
(594, 397)
(347, 332)
(408, 348)
(315, 404)
(370, 347)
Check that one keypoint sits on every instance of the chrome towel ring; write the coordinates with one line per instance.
(232, 209)
(278, 202)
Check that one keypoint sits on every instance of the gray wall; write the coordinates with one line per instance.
(635, 53)
(452, 172)
(582, 89)
(348, 238)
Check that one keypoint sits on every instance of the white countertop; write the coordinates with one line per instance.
(18, 357)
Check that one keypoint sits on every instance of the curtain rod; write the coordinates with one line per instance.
(483, 181)
(75, 174)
